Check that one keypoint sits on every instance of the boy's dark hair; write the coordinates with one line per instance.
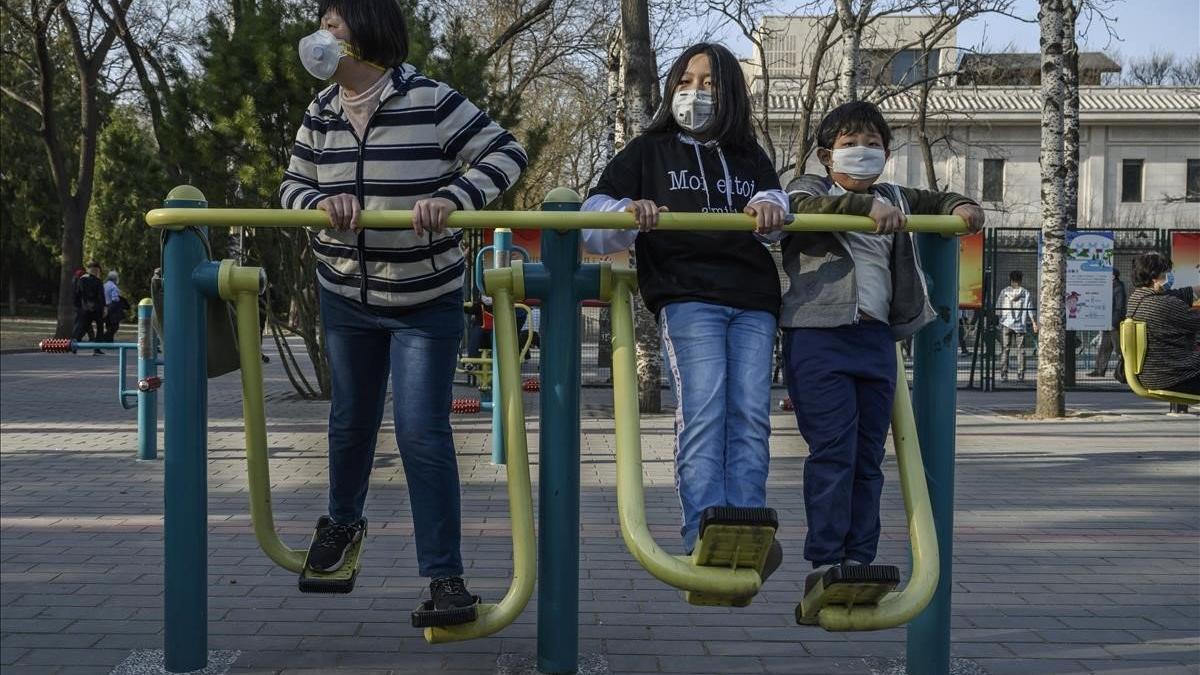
(1116, 273)
(730, 126)
(1148, 267)
(378, 31)
(852, 118)
(1016, 276)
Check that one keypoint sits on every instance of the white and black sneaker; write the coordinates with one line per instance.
(331, 543)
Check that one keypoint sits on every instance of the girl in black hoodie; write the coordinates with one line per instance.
(715, 294)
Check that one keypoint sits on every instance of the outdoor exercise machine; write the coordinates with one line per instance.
(725, 570)
(561, 283)
(1133, 351)
(145, 396)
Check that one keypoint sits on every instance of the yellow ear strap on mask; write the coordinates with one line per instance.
(349, 51)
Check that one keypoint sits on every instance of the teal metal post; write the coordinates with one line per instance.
(501, 257)
(561, 283)
(935, 379)
(147, 368)
(185, 535)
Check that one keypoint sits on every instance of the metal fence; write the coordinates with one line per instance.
(1005, 250)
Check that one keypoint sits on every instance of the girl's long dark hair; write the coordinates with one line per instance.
(730, 126)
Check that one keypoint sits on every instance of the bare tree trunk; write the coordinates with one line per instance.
(808, 104)
(640, 75)
(931, 181)
(613, 118)
(851, 39)
(12, 295)
(1070, 116)
(1052, 336)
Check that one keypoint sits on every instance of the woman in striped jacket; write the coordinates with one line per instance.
(383, 136)
(1172, 325)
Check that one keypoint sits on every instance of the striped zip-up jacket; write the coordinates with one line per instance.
(425, 140)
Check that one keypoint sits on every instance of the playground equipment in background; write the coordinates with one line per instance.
(145, 396)
(561, 283)
(1133, 353)
(483, 369)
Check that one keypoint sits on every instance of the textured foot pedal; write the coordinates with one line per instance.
(340, 580)
(425, 616)
(735, 537)
(847, 585)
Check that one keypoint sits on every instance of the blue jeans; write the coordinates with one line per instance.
(842, 381)
(720, 364)
(421, 348)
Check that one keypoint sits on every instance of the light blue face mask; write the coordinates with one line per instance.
(1170, 282)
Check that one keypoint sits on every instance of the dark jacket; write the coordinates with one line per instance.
(733, 269)
(90, 292)
(1119, 307)
(823, 292)
(1171, 327)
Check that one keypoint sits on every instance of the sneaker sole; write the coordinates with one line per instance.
(425, 616)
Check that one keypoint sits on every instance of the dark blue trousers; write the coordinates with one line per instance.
(842, 382)
(419, 350)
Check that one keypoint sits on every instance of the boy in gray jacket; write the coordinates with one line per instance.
(851, 297)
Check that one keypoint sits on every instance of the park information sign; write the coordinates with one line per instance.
(1089, 280)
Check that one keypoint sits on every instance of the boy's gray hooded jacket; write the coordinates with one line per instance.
(823, 292)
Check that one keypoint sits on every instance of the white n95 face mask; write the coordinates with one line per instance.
(859, 162)
(320, 53)
(692, 109)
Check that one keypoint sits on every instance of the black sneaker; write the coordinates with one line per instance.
(332, 541)
(449, 593)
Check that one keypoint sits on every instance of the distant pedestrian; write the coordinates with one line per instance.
(1015, 308)
(89, 294)
(114, 311)
(1108, 338)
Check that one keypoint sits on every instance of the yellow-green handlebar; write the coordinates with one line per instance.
(491, 618)
(677, 571)
(900, 608)
(243, 284)
(533, 220)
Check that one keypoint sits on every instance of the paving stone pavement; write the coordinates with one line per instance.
(1077, 545)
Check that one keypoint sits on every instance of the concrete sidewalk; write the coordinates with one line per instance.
(1077, 545)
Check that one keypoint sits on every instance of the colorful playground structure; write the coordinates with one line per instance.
(725, 568)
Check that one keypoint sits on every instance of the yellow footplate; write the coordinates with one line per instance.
(847, 586)
(733, 537)
(340, 580)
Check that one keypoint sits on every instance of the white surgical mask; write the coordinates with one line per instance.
(320, 53)
(692, 109)
(859, 162)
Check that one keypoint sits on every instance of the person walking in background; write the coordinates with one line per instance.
(79, 272)
(1108, 339)
(89, 291)
(1015, 309)
(114, 313)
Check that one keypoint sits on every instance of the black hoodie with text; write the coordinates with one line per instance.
(729, 268)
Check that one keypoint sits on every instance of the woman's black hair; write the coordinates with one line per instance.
(378, 31)
(1016, 276)
(852, 118)
(1148, 267)
(730, 126)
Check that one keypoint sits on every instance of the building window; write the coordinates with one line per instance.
(1193, 180)
(781, 52)
(908, 64)
(1131, 180)
(993, 180)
